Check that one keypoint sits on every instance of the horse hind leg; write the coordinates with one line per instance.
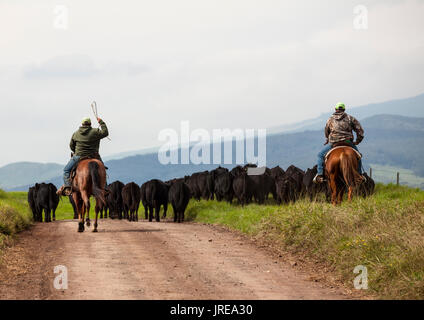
(86, 200)
(350, 193)
(333, 188)
(96, 209)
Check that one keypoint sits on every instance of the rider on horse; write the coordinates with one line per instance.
(339, 130)
(85, 143)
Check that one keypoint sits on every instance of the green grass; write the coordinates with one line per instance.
(15, 215)
(384, 232)
(387, 174)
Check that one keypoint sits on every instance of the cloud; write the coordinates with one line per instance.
(80, 66)
(218, 64)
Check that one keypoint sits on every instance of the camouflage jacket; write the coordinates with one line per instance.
(340, 126)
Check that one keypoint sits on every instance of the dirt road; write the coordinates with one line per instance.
(149, 261)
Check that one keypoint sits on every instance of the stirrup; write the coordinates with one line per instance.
(67, 191)
(318, 179)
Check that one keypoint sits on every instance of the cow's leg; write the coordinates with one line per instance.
(175, 213)
(165, 208)
(157, 212)
(150, 209)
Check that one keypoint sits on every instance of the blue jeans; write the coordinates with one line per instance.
(324, 151)
(68, 168)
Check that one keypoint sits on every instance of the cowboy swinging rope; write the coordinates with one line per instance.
(94, 108)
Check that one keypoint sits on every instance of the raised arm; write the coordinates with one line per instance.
(103, 132)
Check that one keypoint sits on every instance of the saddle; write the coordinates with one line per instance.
(74, 169)
(341, 145)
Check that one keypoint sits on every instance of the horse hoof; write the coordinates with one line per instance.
(80, 227)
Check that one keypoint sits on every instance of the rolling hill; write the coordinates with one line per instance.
(408, 107)
(22, 173)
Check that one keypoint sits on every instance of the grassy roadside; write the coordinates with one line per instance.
(15, 215)
(385, 233)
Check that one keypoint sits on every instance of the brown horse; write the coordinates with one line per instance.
(90, 179)
(341, 170)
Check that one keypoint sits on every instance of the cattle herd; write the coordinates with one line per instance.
(221, 184)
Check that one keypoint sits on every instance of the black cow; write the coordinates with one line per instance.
(143, 199)
(156, 193)
(222, 184)
(104, 210)
(46, 200)
(201, 185)
(297, 175)
(286, 188)
(179, 196)
(114, 200)
(245, 188)
(32, 204)
(131, 201)
(277, 172)
(366, 188)
(313, 189)
(258, 186)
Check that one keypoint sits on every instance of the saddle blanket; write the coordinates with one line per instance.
(329, 152)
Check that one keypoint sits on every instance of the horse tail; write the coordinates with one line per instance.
(350, 174)
(97, 190)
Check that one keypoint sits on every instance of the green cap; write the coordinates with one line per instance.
(340, 106)
(86, 121)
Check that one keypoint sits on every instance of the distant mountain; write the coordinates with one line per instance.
(126, 154)
(390, 140)
(409, 107)
(22, 173)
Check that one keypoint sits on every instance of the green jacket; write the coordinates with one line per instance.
(86, 140)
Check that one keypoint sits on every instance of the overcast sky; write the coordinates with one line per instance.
(216, 63)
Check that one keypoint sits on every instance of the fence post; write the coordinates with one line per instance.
(370, 172)
(397, 178)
